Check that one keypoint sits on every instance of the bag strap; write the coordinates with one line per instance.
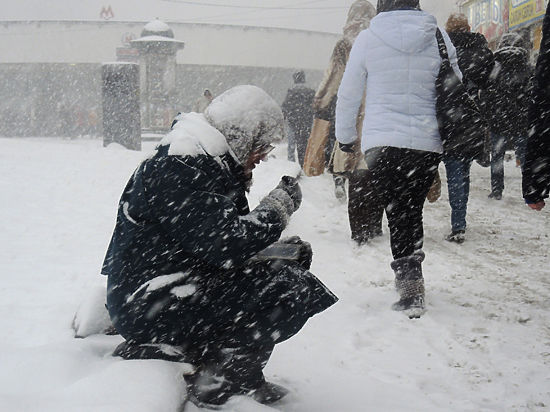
(442, 46)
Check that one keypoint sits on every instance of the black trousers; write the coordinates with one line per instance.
(232, 320)
(364, 208)
(301, 136)
(402, 179)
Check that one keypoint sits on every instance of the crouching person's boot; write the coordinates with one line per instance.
(409, 284)
(234, 371)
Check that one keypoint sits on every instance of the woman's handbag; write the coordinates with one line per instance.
(435, 189)
(461, 125)
(314, 159)
(343, 163)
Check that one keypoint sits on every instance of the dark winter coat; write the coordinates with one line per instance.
(536, 171)
(185, 218)
(475, 59)
(297, 108)
(179, 263)
(507, 95)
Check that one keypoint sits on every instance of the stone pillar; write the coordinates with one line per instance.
(157, 49)
(121, 111)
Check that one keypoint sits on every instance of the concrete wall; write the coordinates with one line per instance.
(191, 80)
(64, 99)
(50, 99)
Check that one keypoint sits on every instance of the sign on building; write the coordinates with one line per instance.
(487, 17)
(526, 12)
(127, 53)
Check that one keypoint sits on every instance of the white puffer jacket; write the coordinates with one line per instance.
(397, 60)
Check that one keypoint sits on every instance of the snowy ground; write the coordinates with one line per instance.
(484, 344)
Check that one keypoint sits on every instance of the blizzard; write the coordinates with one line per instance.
(483, 345)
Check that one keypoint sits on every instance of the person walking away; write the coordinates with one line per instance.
(507, 100)
(189, 265)
(396, 61)
(365, 214)
(536, 169)
(202, 102)
(299, 113)
(476, 62)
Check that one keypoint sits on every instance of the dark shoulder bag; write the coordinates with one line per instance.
(461, 124)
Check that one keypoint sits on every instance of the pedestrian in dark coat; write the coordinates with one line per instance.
(507, 101)
(476, 62)
(536, 169)
(183, 265)
(475, 59)
(298, 113)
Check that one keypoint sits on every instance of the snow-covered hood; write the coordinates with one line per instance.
(512, 56)
(238, 121)
(248, 118)
(399, 29)
(360, 14)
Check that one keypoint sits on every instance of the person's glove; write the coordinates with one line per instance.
(290, 249)
(285, 199)
(279, 201)
(347, 147)
(290, 185)
(305, 250)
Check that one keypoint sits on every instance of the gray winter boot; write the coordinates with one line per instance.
(409, 284)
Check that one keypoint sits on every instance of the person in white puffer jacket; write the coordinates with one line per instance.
(396, 61)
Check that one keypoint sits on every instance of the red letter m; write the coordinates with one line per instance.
(106, 13)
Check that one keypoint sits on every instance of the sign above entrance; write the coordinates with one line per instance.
(525, 12)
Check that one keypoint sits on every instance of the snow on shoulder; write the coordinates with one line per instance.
(193, 135)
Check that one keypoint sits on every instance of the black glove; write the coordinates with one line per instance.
(290, 185)
(290, 249)
(305, 250)
(347, 147)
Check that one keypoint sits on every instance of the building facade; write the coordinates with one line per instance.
(527, 15)
(50, 71)
(493, 18)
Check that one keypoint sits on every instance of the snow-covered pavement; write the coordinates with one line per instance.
(484, 344)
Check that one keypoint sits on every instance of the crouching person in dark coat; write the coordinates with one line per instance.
(191, 267)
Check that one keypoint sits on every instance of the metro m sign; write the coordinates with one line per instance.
(106, 13)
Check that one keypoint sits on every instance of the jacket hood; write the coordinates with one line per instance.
(511, 67)
(467, 40)
(360, 14)
(389, 5)
(512, 57)
(248, 118)
(511, 39)
(408, 31)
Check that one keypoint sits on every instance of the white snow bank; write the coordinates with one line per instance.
(482, 346)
